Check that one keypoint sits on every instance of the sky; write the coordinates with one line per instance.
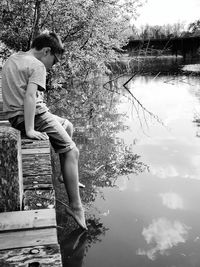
(159, 12)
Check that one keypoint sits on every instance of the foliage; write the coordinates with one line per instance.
(194, 28)
(103, 156)
(91, 31)
(17, 18)
(110, 158)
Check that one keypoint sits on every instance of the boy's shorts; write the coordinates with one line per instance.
(53, 125)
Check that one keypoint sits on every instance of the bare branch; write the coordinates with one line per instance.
(140, 104)
(44, 21)
(73, 31)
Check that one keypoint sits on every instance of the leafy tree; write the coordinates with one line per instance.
(194, 28)
(91, 31)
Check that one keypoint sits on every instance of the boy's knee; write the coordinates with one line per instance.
(74, 152)
(70, 128)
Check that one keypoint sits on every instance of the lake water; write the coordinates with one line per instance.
(142, 188)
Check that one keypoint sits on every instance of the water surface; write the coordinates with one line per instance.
(142, 192)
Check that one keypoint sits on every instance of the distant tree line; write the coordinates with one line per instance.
(166, 31)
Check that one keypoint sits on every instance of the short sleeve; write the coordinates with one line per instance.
(38, 75)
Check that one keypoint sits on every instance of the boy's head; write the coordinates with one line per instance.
(49, 48)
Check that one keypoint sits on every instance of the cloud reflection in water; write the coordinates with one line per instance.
(164, 172)
(172, 200)
(162, 235)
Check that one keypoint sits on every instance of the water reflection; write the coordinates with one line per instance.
(74, 246)
(161, 236)
(164, 172)
(126, 170)
(171, 200)
(104, 157)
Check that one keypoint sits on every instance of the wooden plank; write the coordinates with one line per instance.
(45, 150)
(39, 199)
(37, 182)
(28, 238)
(32, 144)
(4, 123)
(36, 165)
(45, 256)
(2, 114)
(29, 219)
(36, 160)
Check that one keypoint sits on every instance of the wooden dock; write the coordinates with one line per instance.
(28, 228)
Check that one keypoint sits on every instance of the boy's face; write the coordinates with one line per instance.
(48, 58)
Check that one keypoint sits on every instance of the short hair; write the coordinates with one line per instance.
(48, 39)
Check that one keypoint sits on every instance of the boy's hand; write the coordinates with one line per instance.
(37, 135)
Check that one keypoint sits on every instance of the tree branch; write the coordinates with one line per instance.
(140, 104)
(36, 19)
(42, 24)
(73, 31)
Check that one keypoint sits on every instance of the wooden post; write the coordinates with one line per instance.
(11, 183)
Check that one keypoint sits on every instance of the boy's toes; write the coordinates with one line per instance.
(79, 216)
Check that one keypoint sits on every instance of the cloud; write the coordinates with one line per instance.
(162, 235)
(122, 183)
(164, 171)
(172, 200)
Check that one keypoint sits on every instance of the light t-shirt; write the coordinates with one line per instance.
(19, 70)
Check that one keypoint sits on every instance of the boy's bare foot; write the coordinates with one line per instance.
(78, 215)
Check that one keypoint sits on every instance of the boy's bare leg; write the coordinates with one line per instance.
(69, 130)
(69, 168)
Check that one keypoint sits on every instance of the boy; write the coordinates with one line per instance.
(23, 84)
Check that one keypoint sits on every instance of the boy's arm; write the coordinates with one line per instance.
(29, 113)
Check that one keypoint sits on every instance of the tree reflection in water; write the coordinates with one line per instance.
(103, 158)
(76, 244)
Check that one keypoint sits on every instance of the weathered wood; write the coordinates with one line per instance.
(39, 199)
(4, 123)
(31, 182)
(36, 160)
(2, 114)
(36, 150)
(45, 256)
(32, 144)
(29, 219)
(1, 99)
(28, 238)
(11, 184)
(36, 164)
